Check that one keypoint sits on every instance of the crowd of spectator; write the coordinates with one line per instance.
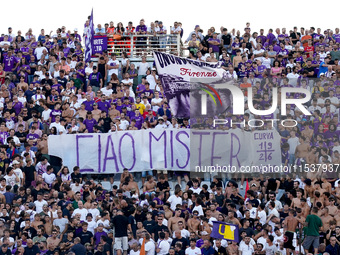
(48, 89)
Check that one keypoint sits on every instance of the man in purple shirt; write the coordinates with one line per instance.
(270, 37)
(214, 43)
(89, 122)
(141, 29)
(88, 103)
(10, 62)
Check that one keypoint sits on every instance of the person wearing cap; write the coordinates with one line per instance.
(197, 33)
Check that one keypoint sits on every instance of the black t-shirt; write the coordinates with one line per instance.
(163, 186)
(106, 248)
(85, 237)
(76, 176)
(120, 222)
(29, 173)
(8, 252)
(21, 135)
(62, 81)
(157, 229)
(2, 164)
(249, 231)
(149, 225)
(32, 251)
(310, 69)
(183, 240)
(226, 39)
(221, 251)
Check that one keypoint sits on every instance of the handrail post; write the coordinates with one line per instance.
(178, 45)
(132, 42)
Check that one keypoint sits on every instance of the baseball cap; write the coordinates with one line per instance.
(31, 205)
(76, 29)
(15, 162)
(322, 74)
(197, 26)
(68, 202)
(100, 225)
(204, 233)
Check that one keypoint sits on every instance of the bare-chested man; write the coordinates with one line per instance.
(332, 209)
(326, 218)
(194, 223)
(149, 187)
(307, 132)
(312, 157)
(296, 200)
(96, 112)
(172, 222)
(304, 207)
(290, 226)
(301, 151)
(131, 184)
(214, 212)
(232, 219)
(37, 221)
(53, 239)
(167, 212)
(337, 217)
(326, 185)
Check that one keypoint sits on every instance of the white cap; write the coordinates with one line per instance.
(322, 74)
(76, 29)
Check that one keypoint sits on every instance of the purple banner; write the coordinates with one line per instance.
(99, 44)
(222, 230)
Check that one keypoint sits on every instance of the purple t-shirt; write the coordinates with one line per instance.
(142, 28)
(139, 121)
(103, 106)
(54, 113)
(17, 107)
(9, 63)
(214, 47)
(90, 124)
(88, 105)
(32, 137)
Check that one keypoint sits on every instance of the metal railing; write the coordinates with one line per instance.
(143, 45)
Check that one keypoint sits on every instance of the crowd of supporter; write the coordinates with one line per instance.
(48, 89)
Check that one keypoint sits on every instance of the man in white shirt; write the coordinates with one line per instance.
(107, 91)
(193, 250)
(112, 66)
(142, 68)
(245, 247)
(149, 245)
(162, 245)
(174, 200)
(156, 102)
(81, 210)
(39, 50)
(39, 203)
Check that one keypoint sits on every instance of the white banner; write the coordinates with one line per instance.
(180, 149)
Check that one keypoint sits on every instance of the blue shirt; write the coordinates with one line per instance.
(209, 251)
(322, 69)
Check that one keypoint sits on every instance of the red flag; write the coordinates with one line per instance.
(142, 249)
(247, 188)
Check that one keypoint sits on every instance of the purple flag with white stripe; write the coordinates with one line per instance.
(89, 33)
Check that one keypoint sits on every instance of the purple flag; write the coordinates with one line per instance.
(222, 230)
(89, 33)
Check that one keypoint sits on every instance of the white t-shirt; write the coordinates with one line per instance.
(49, 178)
(107, 92)
(39, 205)
(197, 191)
(173, 200)
(246, 249)
(39, 51)
(150, 248)
(164, 247)
(83, 212)
(270, 250)
(95, 212)
(156, 101)
(142, 68)
(113, 63)
(91, 226)
(262, 217)
(293, 143)
(184, 233)
(195, 251)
